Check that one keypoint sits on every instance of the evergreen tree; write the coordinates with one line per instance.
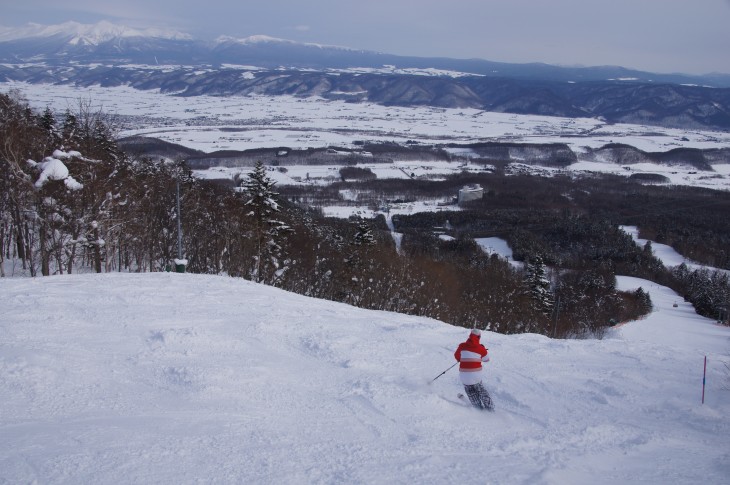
(357, 270)
(537, 285)
(47, 121)
(69, 131)
(267, 230)
(648, 250)
(645, 303)
(364, 235)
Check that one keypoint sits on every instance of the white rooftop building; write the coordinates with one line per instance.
(470, 192)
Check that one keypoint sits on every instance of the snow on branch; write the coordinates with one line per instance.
(52, 168)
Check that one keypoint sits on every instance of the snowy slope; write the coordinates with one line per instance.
(664, 253)
(169, 378)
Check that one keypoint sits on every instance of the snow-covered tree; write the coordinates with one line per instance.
(261, 200)
(537, 284)
(69, 130)
(356, 274)
(364, 235)
(644, 300)
(648, 250)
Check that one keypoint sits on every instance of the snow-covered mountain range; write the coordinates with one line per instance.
(75, 33)
(287, 53)
(110, 55)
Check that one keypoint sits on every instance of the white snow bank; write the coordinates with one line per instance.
(181, 378)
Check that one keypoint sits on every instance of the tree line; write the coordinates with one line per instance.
(572, 224)
(112, 212)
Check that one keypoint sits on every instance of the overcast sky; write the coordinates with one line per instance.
(689, 36)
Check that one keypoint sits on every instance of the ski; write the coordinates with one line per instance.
(464, 399)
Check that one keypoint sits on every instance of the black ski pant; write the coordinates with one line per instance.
(479, 397)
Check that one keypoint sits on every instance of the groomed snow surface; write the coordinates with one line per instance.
(181, 378)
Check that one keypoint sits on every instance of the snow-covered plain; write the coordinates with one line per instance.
(205, 122)
(211, 123)
(181, 378)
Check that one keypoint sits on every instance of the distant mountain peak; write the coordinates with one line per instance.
(253, 39)
(86, 34)
(265, 39)
(106, 42)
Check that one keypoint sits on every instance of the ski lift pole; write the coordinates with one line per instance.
(179, 223)
(179, 262)
(444, 372)
(704, 378)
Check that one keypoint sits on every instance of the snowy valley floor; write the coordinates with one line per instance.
(169, 378)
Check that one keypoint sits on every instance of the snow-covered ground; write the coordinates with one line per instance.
(498, 246)
(181, 378)
(664, 253)
(206, 122)
(211, 123)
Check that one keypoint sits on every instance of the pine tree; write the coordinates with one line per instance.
(69, 131)
(648, 250)
(644, 298)
(537, 285)
(104, 142)
(364, 235)
(47, 121)
(258, 188)
(356, 278)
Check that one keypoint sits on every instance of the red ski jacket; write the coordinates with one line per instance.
(471, 354)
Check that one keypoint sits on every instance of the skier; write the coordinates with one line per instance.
(470, 355)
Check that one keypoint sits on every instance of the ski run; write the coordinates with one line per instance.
(178, 378)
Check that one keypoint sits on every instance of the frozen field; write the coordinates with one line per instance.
(205, 122)
(211, 123)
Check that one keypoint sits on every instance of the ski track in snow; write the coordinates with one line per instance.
(168, 378)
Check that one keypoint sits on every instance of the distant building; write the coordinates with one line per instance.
(470, 192)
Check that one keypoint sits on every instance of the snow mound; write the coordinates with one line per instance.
(179, 378)
(54, 169)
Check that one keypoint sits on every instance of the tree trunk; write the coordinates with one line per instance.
(25, 238)
(45, 254)
(97, 251)
(2, 254)
(19, 239)
(71, 257)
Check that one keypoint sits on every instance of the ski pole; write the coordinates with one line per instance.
(444, 372)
